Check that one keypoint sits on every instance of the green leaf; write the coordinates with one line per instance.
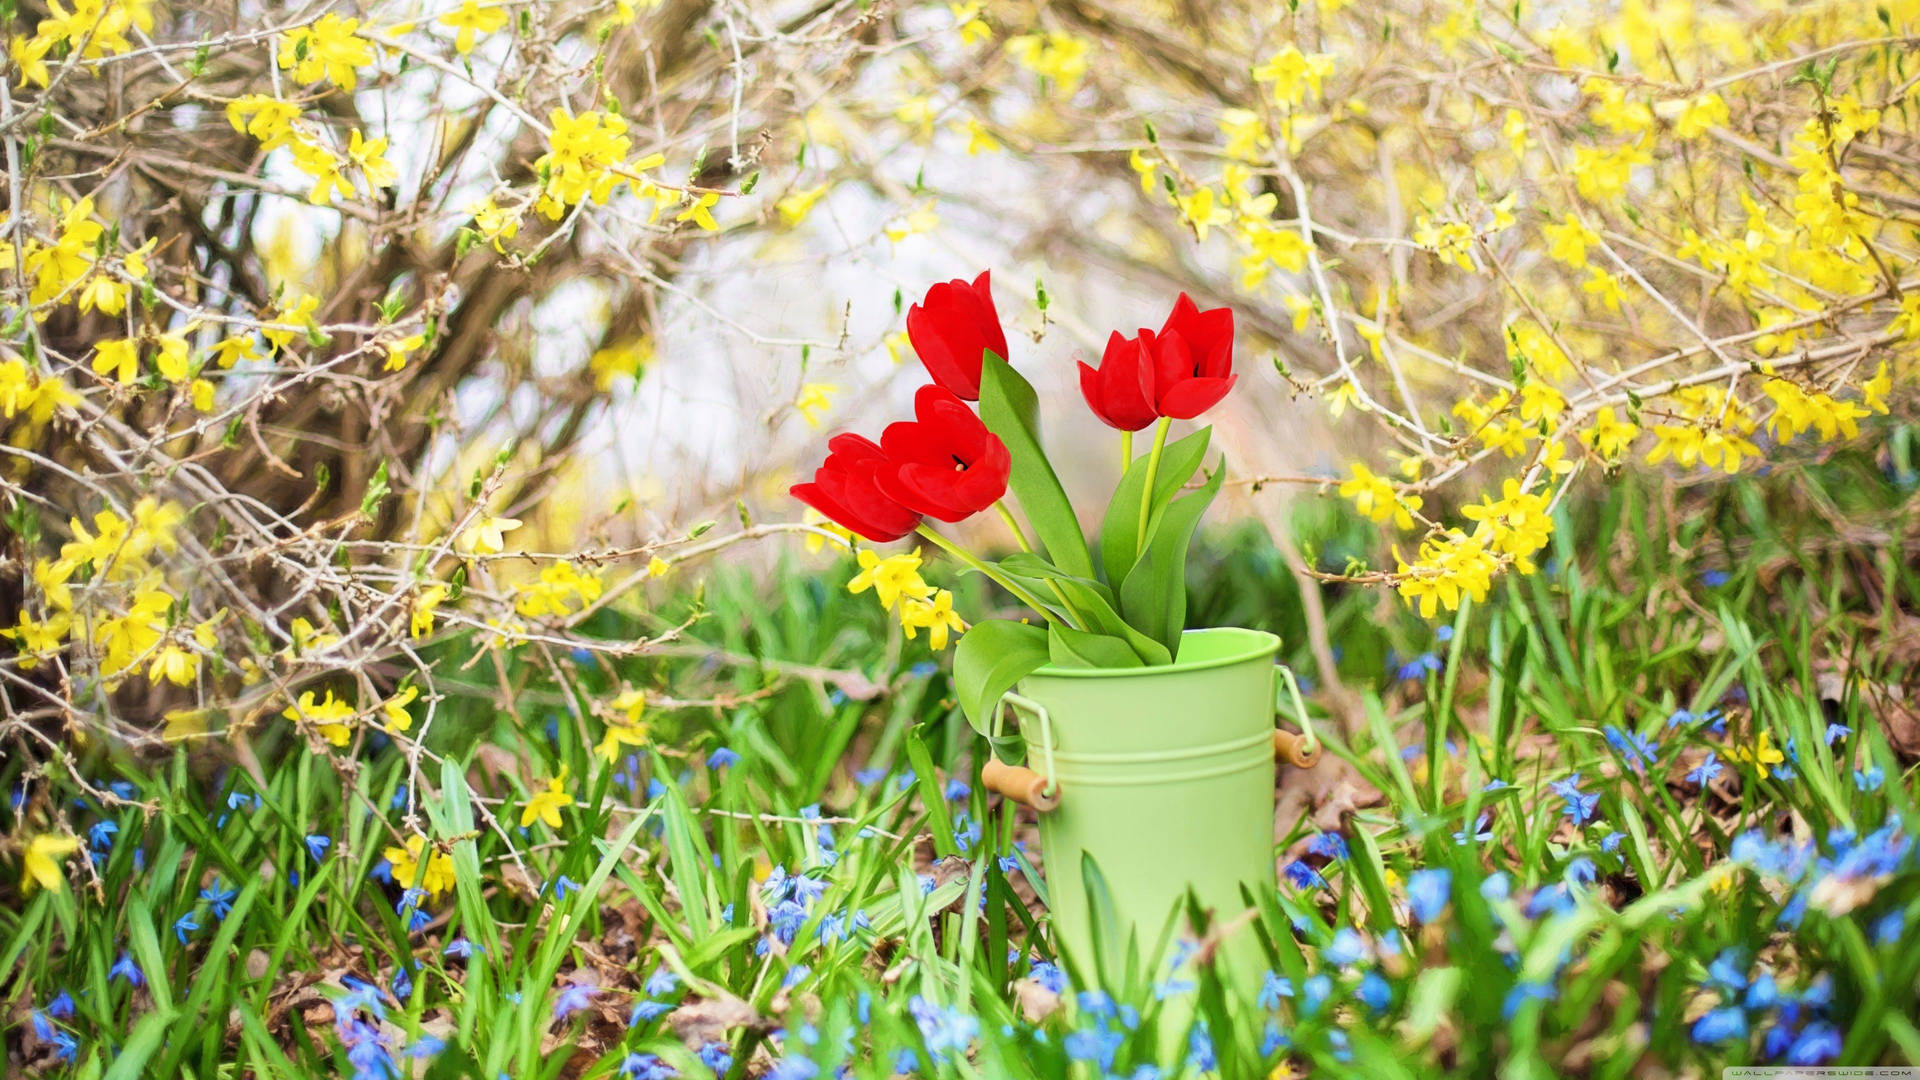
(1154, 597)
(149, 1034)
(1086, 602)
(1010, 409)
(1083, 649)
(989, 660)
(1120, 531)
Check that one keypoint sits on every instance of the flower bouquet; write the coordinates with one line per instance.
(1153, 743)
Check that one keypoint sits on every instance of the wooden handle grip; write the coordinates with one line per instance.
(1024, 786)
(1293, 749)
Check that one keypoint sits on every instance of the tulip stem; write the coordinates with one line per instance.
(1126, 451)
(1153, 470)
(1013, 524)
(993, 575)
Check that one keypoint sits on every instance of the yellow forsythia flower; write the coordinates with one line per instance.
(41, 864)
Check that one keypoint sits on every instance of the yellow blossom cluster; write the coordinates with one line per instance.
(561, 589)
(1801, 249)
(93, 29)
(125, 618)
(897, 584)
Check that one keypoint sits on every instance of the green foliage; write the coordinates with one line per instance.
(660, 865)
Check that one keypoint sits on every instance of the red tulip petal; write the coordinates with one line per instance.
(1192, 397)
(1126, 386)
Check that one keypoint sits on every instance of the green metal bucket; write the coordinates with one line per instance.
(1165, 779)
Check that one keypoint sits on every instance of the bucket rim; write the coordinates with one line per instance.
(1261, 643)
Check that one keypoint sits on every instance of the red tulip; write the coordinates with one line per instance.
(944, 463)
(1180, 372)
(952, 328)
(1193, 360)
(846, 489)
(1120, 392)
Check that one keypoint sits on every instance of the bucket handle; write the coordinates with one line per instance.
(1040, 791)
(1301, 751)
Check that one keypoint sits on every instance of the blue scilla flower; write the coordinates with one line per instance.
(1610, 843)
(865, 777)
(1762, 992)
(647, 1010)
(1580, 805)
(717, 1056)
(1637, 750)
(425, 1046)
(219, 898)
(946, 1030)
(722, 758)
(1818, 1044)
(1097, 1045)
(417, 920)
(361, 996)
(1315, 992)
(1522, 993)
(1273, 1040)
(1341, 1044)
(1095, 1003)
(833, 927)
(563, 885)
(793, 1068)
(925, 669)
(1049, 976)
(1496, 886)
(100, 835)
(65, 1046)
(662, 982)
(402, 983)
(1722, 1025)
(184, 925)
(965, 832)
(1888, 928)
(1302, 876)
(646, 1067)
(1420, 666)
(1374, 992)
(459, 947)
(125, 968)
(572, 999)
(1580, 871)
(399, 798)
(1550, 900)
(1481, 833)
(1427, 893)
(317, 846)
(795, 976)
(1836, 732)
(61, 1007)
(1708, 768)
(956, 790)
(1200, 1055)
(43, 1028)
(1869, 779)
(1328, 845)
(1347, 947)
(1273, 987)
(1728, 969)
